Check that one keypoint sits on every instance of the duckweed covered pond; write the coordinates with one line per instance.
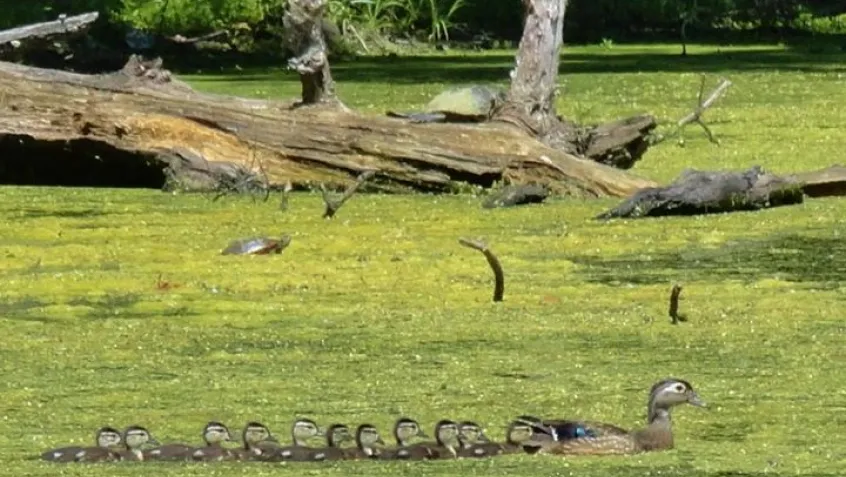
(117, 308)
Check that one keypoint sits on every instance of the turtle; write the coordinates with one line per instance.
(473, 103)
(257, 246)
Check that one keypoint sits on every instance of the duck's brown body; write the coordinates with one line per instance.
(591, 438)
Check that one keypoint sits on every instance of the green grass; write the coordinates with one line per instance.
(380, 312)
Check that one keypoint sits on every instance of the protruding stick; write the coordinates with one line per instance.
(499, 276)
(674, 304)
(332, 205)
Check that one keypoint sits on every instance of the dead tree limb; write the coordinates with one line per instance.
(333, 205)
(674, 305)
(63, 26)
(499, 276)
(701, 107)
(303, 36)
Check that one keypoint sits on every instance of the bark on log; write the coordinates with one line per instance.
(702, 192)
(142, 112)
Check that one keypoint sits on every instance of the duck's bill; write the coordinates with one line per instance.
(697, 401)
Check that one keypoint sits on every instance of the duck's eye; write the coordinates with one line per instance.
(680, 388)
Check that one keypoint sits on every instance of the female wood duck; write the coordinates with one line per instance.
(517, 435)
(215, 434)
(366, 439)
(134, 438)
(258, 441)
(592, 438)
(301, 432)
(106, 438)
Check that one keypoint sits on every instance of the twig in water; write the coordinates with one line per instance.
(701, 106)
(333, 205)
(499, 276)
(283, 204)
(674, 305)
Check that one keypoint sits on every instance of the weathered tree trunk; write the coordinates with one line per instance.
(703, 192)
(141, 114)
(45, 31)
(531, 99)
(304, 37)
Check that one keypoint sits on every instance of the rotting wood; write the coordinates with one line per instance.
(493, 261)
(303, 36)
(143, 110)
(333, 205)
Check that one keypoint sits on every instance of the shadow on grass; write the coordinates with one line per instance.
(495, 67)
(791, 257)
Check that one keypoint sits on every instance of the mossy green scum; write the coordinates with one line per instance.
(117, 307)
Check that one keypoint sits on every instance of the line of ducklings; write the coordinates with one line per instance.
(452, 439)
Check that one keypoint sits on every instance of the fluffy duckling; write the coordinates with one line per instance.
(405, 430)
(366, 439)
(215, 434)
(258, 441)
(301, 432)
(134, 438)
(106, 438)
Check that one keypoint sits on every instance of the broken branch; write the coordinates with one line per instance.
(499, 276)
(674, 304)
(64, 25)
(701, 107)
(333, 205)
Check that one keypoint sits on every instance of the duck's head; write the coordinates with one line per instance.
(256, 433)
(136, 436)
(337, 434)
(108, 437)
(671, 392)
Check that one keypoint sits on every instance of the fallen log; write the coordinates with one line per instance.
(145, 116)
(703, 192)
(63, 26)
(827, 182)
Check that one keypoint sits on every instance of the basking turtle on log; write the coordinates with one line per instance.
(257, 246)
(474, 104)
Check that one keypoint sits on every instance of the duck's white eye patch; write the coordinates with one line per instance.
(680, 388)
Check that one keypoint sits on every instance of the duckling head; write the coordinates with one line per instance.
(305, 429)
(367, 436)
(338, 434)
(255, 433)
(519, 432)
(216, 432)
(109, 437)
(471, 433)
(136, 436)
(446, 433)
(406, 429)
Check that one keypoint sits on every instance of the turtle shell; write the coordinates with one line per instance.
(471, 101)
(257, 246)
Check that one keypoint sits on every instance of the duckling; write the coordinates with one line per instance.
(301, 431)
(106, 438)
(366, 438)
(516, 435)
(599, 439)
(134, 437)
(445, 446)
(257, 441)
(470, 433)
(336, 435)
(215, 434)
(178, 451)
(405, 429)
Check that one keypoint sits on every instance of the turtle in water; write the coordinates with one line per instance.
(257, 246)
(473, 103)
